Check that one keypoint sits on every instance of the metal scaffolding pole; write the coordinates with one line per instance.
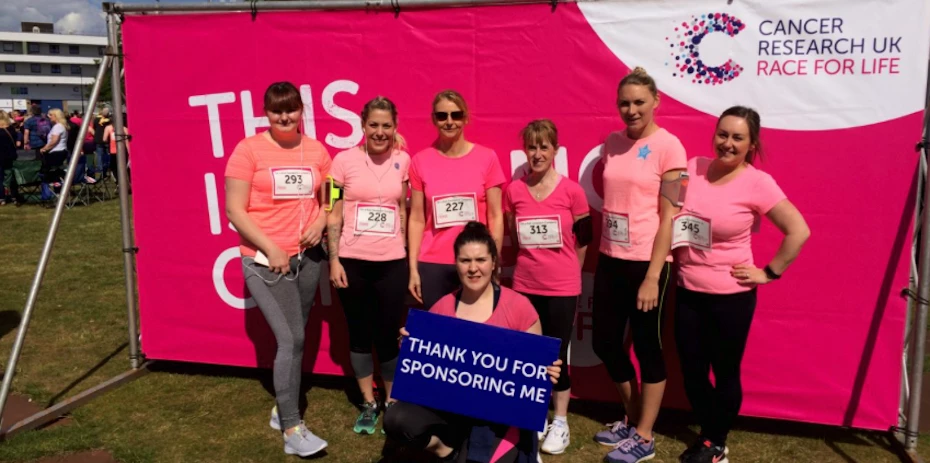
(49, 243)
(277, 5)
(123, 178)
(919, 325)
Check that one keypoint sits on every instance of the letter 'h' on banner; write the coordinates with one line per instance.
(476, 370)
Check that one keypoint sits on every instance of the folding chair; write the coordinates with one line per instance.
(29, 179)
(84, 186)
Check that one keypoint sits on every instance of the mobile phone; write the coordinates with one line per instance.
(261, 259)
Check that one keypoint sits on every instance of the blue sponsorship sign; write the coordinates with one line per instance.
(477, 370)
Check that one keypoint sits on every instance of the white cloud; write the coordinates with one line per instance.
(83, 17)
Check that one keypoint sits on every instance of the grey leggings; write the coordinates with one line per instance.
(285, 302)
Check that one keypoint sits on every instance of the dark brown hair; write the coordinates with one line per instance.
(282, 97)
(754, 122)
(476, 232)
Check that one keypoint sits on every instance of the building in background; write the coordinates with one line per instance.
(51, 70)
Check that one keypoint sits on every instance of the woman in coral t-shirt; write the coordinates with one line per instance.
(717, 277)
(273, 198)
(641, 165)
(548, 216)
(367, 259)
(452, 183)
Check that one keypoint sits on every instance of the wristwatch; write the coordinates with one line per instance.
(771, 274)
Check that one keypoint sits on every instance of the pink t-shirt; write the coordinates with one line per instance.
(455, 188)
(633, 172)
(733, 209)
(374, 185)
(514, 311)
(253, 160)
(547, 263)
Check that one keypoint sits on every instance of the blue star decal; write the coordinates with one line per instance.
(643, 152)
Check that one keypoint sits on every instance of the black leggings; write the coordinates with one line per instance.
(374, 307)
(437, 280)
(557, 317)
(616, 285)
(711, 332)
(413, 425)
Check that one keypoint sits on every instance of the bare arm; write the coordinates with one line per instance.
(402, 211)
(648, 297)
(415, 226)
(52, 141)
(334, 221)
(314, 233)
(789, 220)
(26, 138)
(237, 202)
(496, 217)
(581, 251)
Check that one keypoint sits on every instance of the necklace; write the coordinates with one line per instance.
(540, 186)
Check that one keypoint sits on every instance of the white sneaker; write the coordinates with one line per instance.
(557, 438)
(303, 442)
(275, 422)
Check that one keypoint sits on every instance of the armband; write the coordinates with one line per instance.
(331, 193)
(583, 231)
(676, 190)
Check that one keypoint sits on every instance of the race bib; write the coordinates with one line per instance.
(617, 228)
(539, 232)
(454, 209)
(291, 182)
(691, 230)
(375, 219)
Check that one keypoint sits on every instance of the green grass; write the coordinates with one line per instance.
(192, 413)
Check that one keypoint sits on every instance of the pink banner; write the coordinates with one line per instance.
(841, 120)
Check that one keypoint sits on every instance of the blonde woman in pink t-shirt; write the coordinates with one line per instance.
(717, 278)
(548, 216)
(641, 167)
(452, 182)
(367, 259)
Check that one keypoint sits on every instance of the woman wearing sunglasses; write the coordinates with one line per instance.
(452, 182)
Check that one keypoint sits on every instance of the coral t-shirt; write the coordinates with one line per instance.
(733, 208)
(547, 263)
(372, 185)
(513, 311)
(455, 190)
(278, 204)
(633, 172)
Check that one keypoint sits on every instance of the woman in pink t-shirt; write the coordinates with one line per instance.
(273, 198)
(367, 259)
(549, 217)
(452, 183)
(479, 300)
(717, 278)
(641, 165)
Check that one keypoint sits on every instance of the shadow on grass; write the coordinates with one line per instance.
(263, 376)
(9, 321)
(86, 375)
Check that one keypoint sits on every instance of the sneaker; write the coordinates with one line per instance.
(275, 422)
(557, 438)
(704, 451)
(303, 442)
(633, 449)
(368, 419)
(616, 432)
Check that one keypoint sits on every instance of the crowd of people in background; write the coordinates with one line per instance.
(49, 138)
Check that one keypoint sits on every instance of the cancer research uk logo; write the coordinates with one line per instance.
(855, 63)
(686, 44)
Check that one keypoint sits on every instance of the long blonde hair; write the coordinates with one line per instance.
(58, 116)
(5, 120)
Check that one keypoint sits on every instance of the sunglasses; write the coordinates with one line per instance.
(443, 115)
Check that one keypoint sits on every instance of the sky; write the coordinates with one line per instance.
(83, 17)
